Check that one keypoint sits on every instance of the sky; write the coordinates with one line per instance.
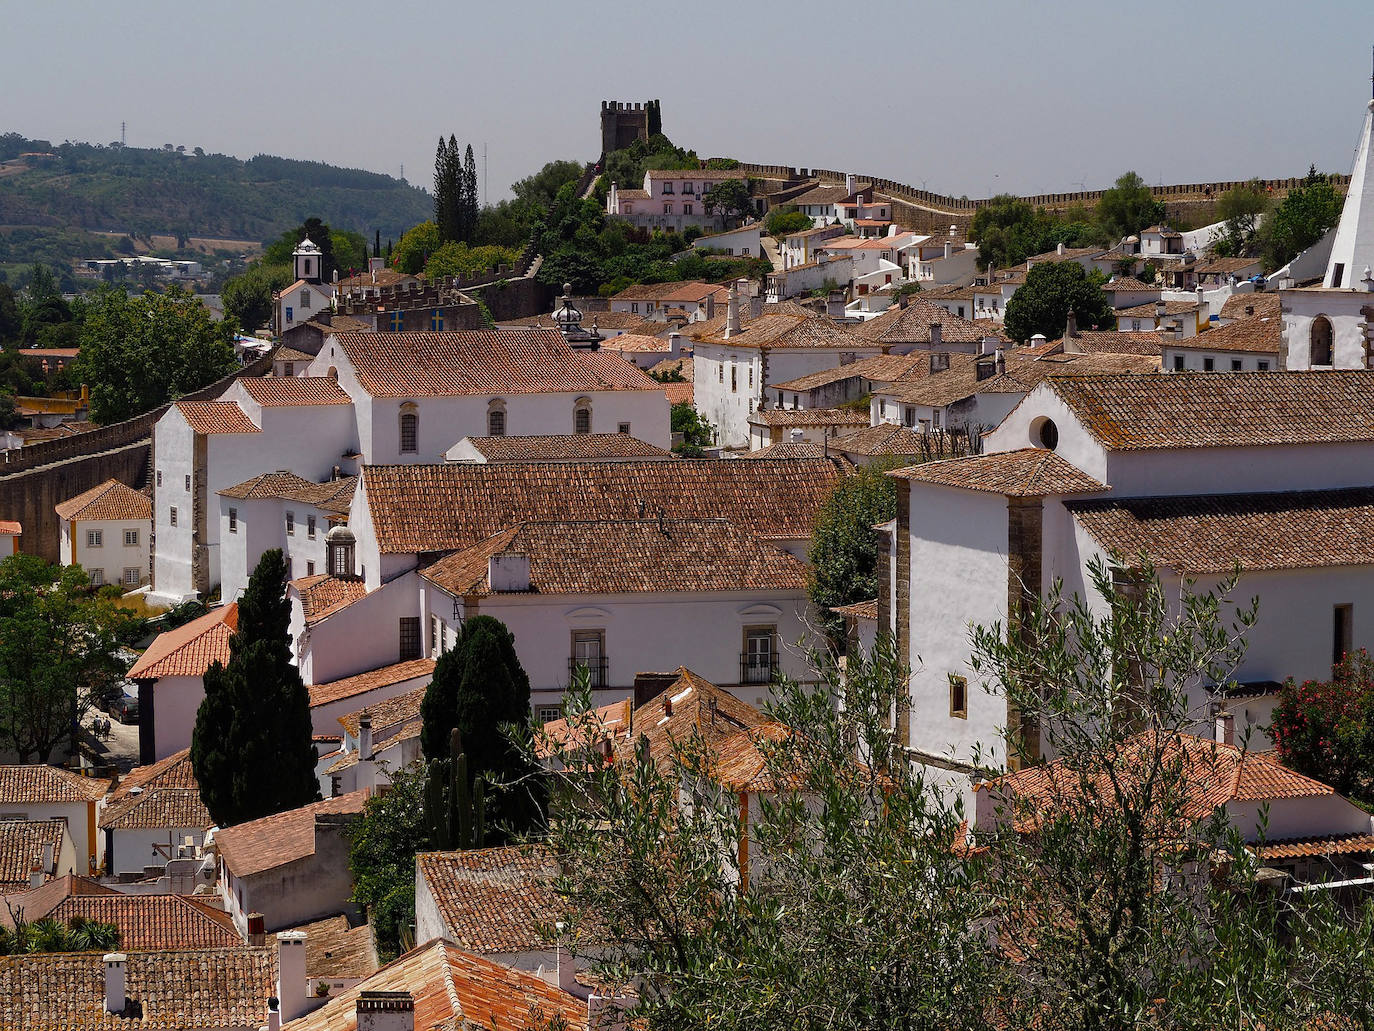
(962, 98)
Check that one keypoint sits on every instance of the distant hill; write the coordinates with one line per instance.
(48, 194)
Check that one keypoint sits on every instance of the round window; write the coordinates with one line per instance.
(1046, 434)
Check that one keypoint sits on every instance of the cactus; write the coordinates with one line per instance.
(455, 811)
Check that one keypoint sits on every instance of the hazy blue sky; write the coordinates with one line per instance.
(966, 97)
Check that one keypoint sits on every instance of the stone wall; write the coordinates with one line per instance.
(514, 298)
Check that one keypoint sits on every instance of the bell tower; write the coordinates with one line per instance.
(307, 259)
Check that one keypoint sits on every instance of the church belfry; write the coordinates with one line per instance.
(307, 258)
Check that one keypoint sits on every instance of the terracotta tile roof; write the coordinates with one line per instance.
(1214, 774)
(950, 292)
(333, 950)
(887, 439)
(1149, 309)
(782, 331)
(859, 610)
(741, 760)
(911, 325)
(1302, 848)
(564, 448)
(1022, 372)
(322, 595)
(456, 505)
(46, 785)
(637, 343)
(1262, 334)
(802, 417)
(387, 713)
(273, 841)
(11, 528)
(1130, 284)
(788, 449)
(689, 290)
(188, 650)
(109, 500)
(475, 362)
(881, 368)
(626, 557)
(621, 320)
(290, 391)
(381, 277)
(495, 900)
(155, 921)
(185, 988)
(682, 365)
(453, 989)
(48, 352)
(1262, 304)
(678, 393)
(821, 195)
(1110, 341)
(349, 687)
(36, 903)
(1253, 409)
(1069, 254)
(1214, 532)
(290, 354)
(1164, 231)
(332, 495)
(1225, 266)
(216, 417)
(696, 173)
(1029, 472)
(163, 794)
(688, 708)
(21, 845)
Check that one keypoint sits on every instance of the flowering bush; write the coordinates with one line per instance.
(1325, 728)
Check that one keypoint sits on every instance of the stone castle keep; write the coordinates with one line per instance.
(622, 123)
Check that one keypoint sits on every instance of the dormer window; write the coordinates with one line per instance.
(340, 545)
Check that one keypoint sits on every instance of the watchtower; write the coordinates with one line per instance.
(622, 123)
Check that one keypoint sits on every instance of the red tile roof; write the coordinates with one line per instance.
(626, 557)
(11, 528)
(162, 795)
(1214, 532)
(216, 417)
(260, 845)
(456, 505)
(109, 500)
(787, 449)
(154, 921)
(350, 687)
(389, 712)
(21, 848)
(47, 785)
(1302, 848)
(859, 610)
(286, 391)
(888, 439)
(564, 448)
(333, 950)
(782, 330)
(1029, 472)
(881, 368)
(188, 650)
(1262, 334)
(495, 900)
(911, 325)
(323, 595)
(803, 417)
(332, 495)
(475, 362)
(1118, 341)
(676, 393)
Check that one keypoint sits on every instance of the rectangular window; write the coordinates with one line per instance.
(95, 538)
(172, 515)
(290, 524)
(668, 208)
(634, 308)
(310, 527)
(958, 696)
(1338, 274)
(233, 520)
(549, 712)
(1263, 366)
(720, 372)
(131, 577)
(686, 209)
(909, 416)
(310, 569)
(1178, 363)
(935, 418)
(734, 378)
(589, 653)
(1135, 325)
(290, 368)
(1342, 632)
(624, 428)
(130, 538)
(409, 638)
(305, 299)
(760, 658)
(1235, 365)
(433, 635)
(159, 477)
(97, 577)
(188, 481)
(1209, 364)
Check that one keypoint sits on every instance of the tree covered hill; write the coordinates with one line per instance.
(191, 193)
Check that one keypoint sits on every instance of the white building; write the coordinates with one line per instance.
(744, 242)
(671, 199)
(43, 793)
(106, 530)
(800, 248)
(378, 739)
(1200, 473)
(1246, 345)
(653, 301)
(152, 814)
(307, 296)
(915, 324)
(10, 532)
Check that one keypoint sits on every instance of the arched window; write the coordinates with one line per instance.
(496, 418)
(1321, 341)
(582, 415)
(410, 429)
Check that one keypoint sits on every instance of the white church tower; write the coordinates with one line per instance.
(307, 258)
(1327, 326)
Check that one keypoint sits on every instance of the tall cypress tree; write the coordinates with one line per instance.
(448, 190)
(471, 202)
(251, 748)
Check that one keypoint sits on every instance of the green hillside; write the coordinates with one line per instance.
(52, 198)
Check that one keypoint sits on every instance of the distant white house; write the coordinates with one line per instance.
(107, 531)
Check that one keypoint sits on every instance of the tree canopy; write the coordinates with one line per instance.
(784, 221)
(844, 548)
(248, 298)
(1304, 217)
(381, 857)
(1128, 207)
(1008, 231)
(1052, 290)
(1325, 728)
(252, 748)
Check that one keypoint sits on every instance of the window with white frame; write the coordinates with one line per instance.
(305, 298)
(95, 538)
(130, 538)
(97, 577)
(131, 576)
(233, 520)
(290, 524)
(310, 527)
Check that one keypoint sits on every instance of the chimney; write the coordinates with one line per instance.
(794, 435)
(936, 336)
(508, 571)
(667, 705)
(116, 964)
(365, 735)
(1071, 330)
(987, 345)
(755, 306)
(1001, 361)
(984, 368)
(834, 304)
(732, 313)
(291, 974)
(48, 866)
(711, 305)
(256, 933)
(1226, 727)
(1160, 308)
(939, 361)
(273, 1013)
(1059, 249)
(1037, 340)
(1367, 280)
(385, 1011)
(675, 341)
(903, 301)
(849, 184)
(711, 709)
(1249, 309)
(949, 249)
(36, 874)
(567, 972)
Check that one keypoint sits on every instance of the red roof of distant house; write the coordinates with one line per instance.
(189, 650)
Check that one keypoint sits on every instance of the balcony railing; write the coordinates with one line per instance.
(596, 670)
(757, 669)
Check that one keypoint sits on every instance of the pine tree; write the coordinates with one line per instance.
(478, 686)
(251, 748)
(448, 190)
(468, 193)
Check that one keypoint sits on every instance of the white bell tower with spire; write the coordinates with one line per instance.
(307, 258)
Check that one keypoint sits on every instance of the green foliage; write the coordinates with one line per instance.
(626, 167)
(414, 248)
(729, 197)
(1128, 207)
(478, 688)
(350, 251)
(1241, 208)
(454, 258)
(696, 431)
(1052, 290)
(279, 251)
(1303, 218)
(10, 322)
(248, 297)
(455, 803)
(1325, 728)
(905, 290)
(251, 747)
(21, 936)
(1008, 231)
(448, 188)
(138, 353)
(381, 858)
(59, 651)
(844, 548)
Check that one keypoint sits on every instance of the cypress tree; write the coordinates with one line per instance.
(468, 193)
(478, 686)
(251, 748)
(448, 190)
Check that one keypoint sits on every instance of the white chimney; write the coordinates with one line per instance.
(1037, 340)
(936, 336)
(1226, 727)
(1160, 309)
(953, 230)
(1059, 249)
(36, 875)
(48, 866)
(291, 975)
(732, 313)
(849, 184)
(508, 571)
(834, 304)
(385, 1011)
(755, 306)
(115, 972)
(795, 435)
(1367, 280)
(365, 735)
(674, 344)
(949, 249)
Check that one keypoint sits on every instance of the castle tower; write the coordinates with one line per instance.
(622, 123)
